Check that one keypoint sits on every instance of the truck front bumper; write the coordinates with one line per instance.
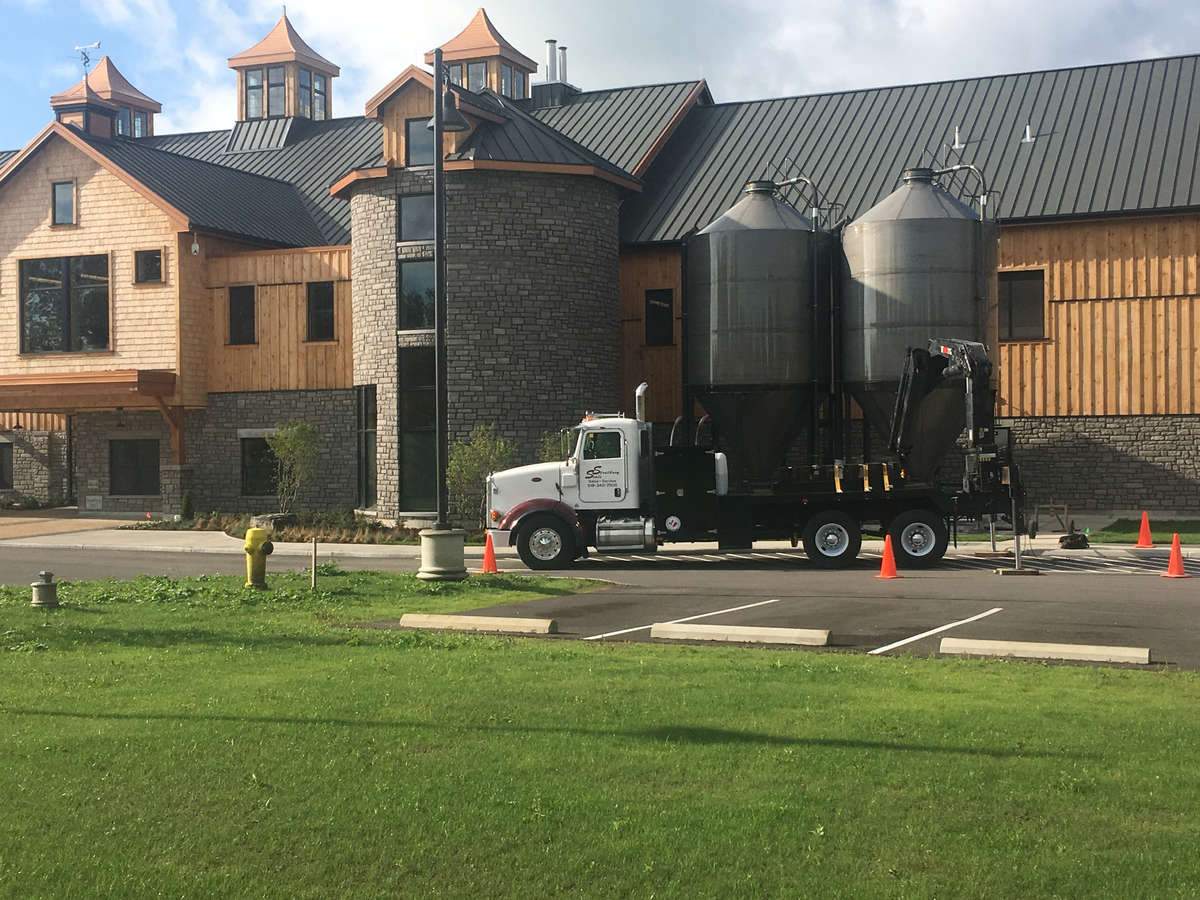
(501, 537)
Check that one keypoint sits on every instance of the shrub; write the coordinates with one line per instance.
(297, 449)
(471, 461)
(187, 510)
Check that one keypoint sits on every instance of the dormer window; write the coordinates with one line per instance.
(306, 93)
(518, 84)
(476, 76)
(276, 92)
(456, 74)
(506, 79)
(318, 97)
(141, 124)
(125, 121)
(254, 93)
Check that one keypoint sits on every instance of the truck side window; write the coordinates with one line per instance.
(602, 445)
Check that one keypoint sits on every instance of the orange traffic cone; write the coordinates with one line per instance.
(888, 569)
(489, 558)
(1175, 566)
(1144, 539)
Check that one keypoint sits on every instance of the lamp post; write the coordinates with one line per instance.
(442, 556)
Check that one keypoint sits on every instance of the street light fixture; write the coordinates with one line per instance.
(442, 556)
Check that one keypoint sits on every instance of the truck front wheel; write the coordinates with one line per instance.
(832, 539)
(919, 538)
(545, 542)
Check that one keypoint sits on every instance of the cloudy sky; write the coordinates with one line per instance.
(176, 52)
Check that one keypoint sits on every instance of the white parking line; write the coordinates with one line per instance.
(925, 634)
(596, 637)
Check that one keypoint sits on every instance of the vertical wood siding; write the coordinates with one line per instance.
(646, 269)
(281, 359)
(1122, 319)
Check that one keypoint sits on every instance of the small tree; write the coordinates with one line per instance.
(471, 461)
(297, 448)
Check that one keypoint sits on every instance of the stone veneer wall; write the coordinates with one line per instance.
(213, 472)
(1111, 462)
(533, 326)
(39, 467)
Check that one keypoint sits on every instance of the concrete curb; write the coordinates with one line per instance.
(501, 624)
(740, 634)
(1031, 650)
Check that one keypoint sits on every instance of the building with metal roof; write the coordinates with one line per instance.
(279, 267)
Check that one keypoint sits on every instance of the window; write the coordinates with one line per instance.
(254, 93)
(602, 445)
(64, 203)
(519, 84)
(64, 304)
(306, 93)
(364, 396)
(133, 467)
(506, 81)
(6, 472)
(416, 217)
(320, 311)
(319, 100)
(456, 74)
(276, 92)
(259, 468)
(241, 314)
(418, 143)
(418, 447)
(147, 266)
(476, 76)
(125, 121)
(141, 124)
(1022, 305)
(416, 294)
(660, 318)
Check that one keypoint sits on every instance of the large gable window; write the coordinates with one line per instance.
(64, 304)
(418, 143)
(1022, 305)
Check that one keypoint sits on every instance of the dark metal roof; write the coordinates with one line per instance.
(1108, 139)
(6, 155)
(258, 134)
(216, 198)
(316, 154)
(620, 124)
(522, 138)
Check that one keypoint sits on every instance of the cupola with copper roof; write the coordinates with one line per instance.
(282, 76)
(480, 57)
(104, 103)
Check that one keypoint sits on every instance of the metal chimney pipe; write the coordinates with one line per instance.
(562, 63)
(551, 61)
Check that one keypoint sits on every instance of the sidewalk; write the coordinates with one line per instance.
(152, 541)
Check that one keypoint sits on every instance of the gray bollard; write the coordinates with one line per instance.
(45, 592)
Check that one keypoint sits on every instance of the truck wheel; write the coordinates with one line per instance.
(832, 539)
(545, 542)
(919, 538)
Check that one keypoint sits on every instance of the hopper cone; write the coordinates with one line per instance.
(1175, 566)
(1144, 539)
(888, 569)
(489, 558)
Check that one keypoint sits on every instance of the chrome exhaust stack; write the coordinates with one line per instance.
(639, 401)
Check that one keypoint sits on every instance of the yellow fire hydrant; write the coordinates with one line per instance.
(258, 547)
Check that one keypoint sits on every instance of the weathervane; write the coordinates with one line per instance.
(84, 57)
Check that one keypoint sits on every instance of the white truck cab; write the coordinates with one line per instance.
(600, 494)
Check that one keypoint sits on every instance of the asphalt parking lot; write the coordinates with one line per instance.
(1080, 598)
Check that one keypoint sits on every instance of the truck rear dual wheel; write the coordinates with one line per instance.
(919, 538)
(832, 539)
(546, 542)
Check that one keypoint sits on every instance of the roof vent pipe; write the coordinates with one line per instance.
(551, 61)
(562, 63)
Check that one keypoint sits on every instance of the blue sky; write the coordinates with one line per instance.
(176, 52)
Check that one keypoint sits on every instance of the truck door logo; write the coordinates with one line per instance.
(593, 472)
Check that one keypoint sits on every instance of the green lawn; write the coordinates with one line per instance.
(190, 738)
(1125, 531)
